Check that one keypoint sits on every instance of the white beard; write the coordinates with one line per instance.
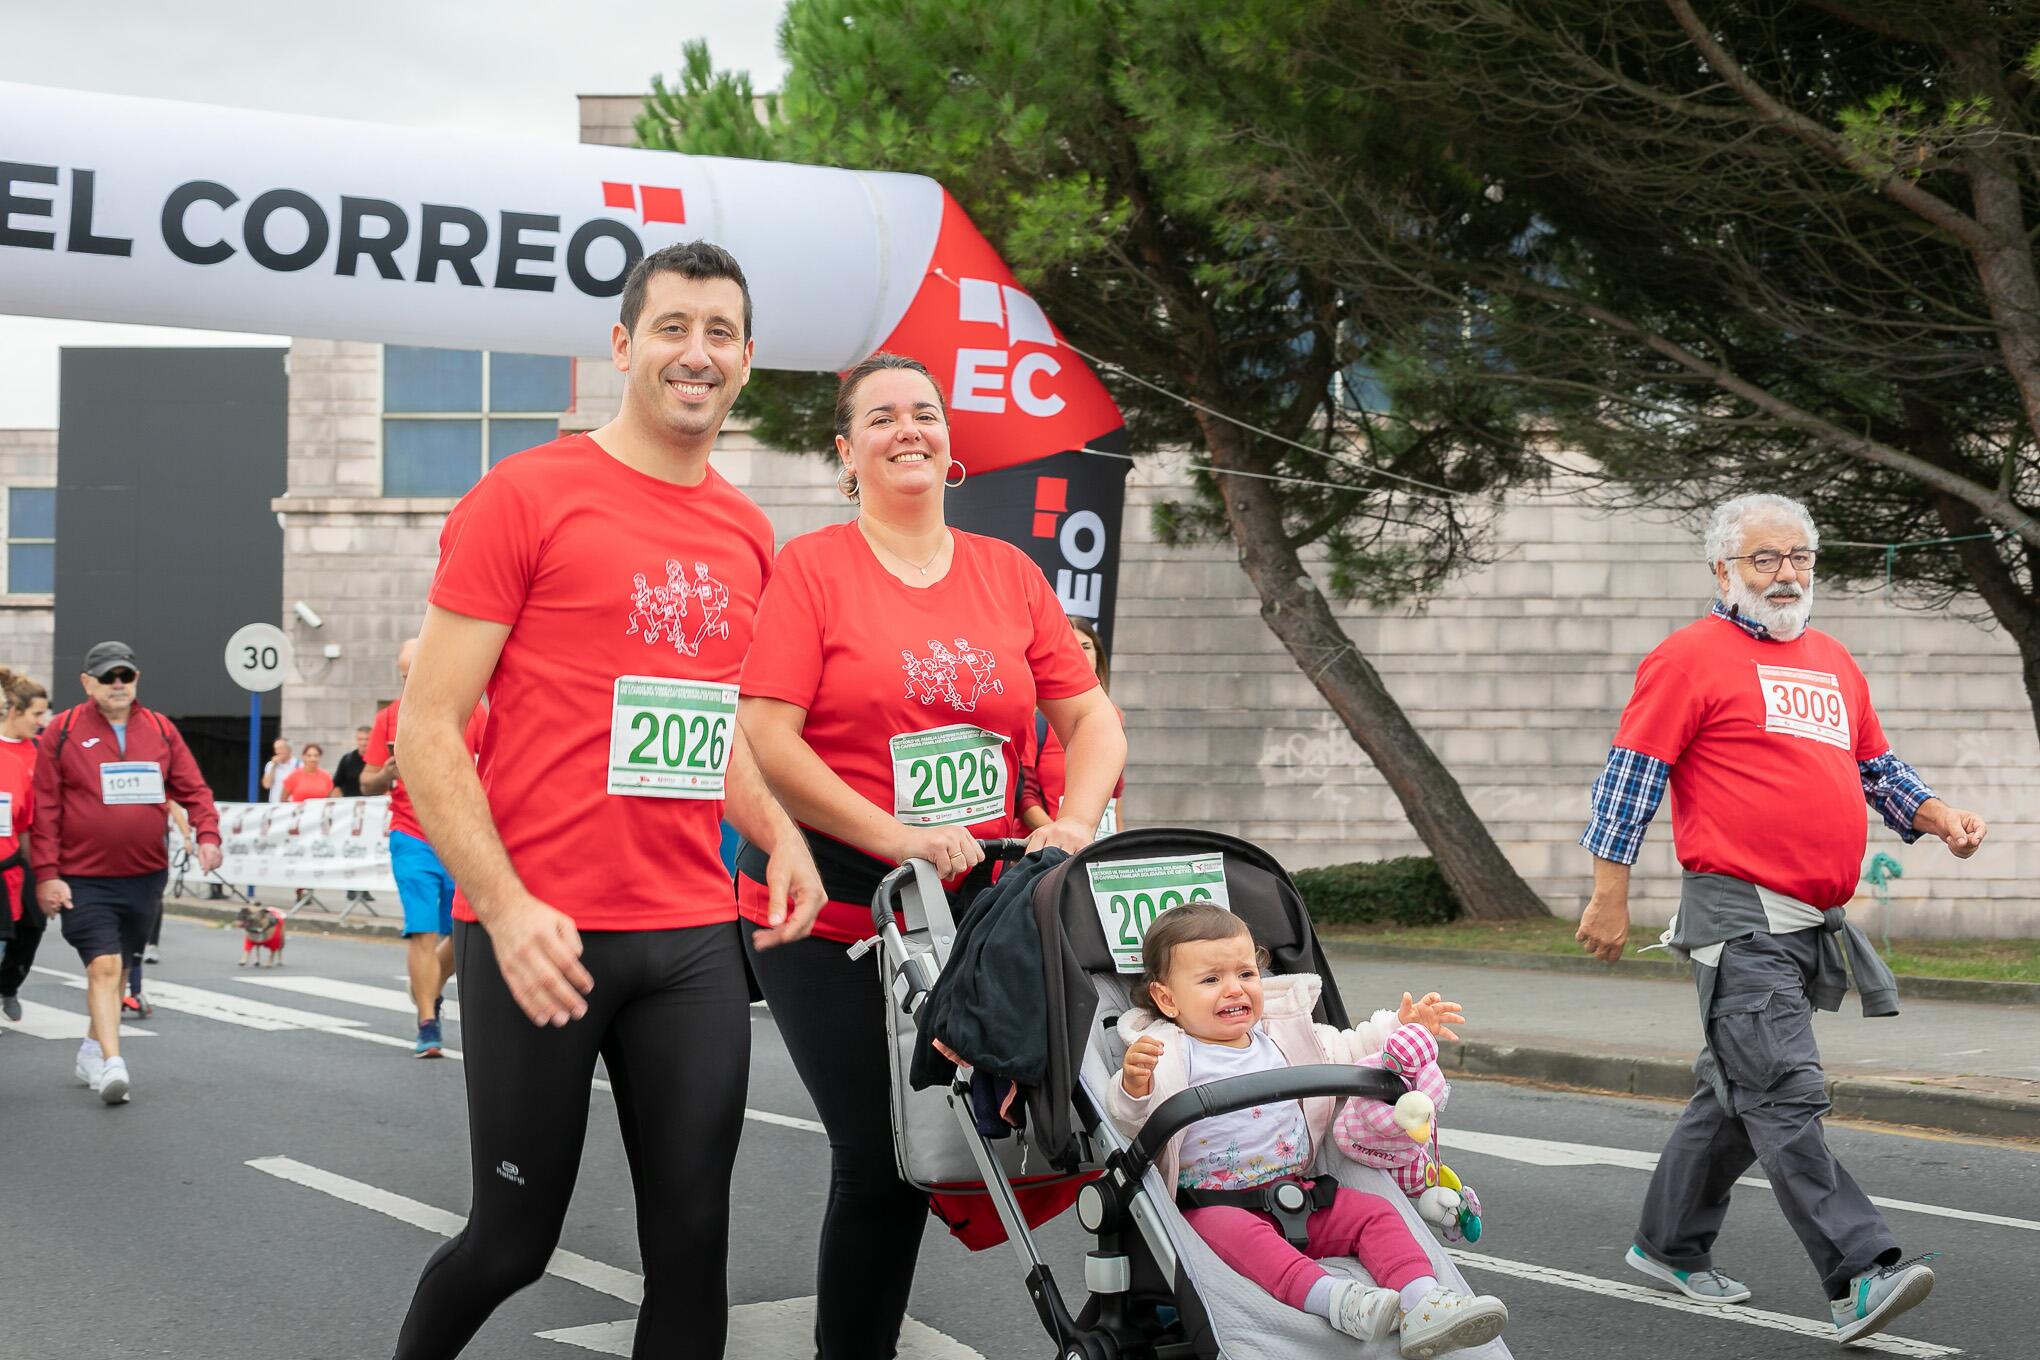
(1784, 618)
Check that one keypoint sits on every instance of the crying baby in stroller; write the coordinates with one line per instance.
(1205, 1012)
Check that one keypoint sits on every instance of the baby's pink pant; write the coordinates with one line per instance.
(1356, 1224)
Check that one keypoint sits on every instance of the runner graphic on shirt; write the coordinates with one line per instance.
(936, 675)
(662, 611)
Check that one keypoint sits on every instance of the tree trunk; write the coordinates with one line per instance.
(2015, 609)
(1487, 885)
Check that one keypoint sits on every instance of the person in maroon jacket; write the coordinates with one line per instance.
(106, 773)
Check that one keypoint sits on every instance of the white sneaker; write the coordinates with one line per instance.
(91, 1059)
(1448, 1321)
(1362, 1311)
(149, 954)
(113, 1081)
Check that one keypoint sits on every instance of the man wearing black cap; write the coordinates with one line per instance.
(107, 772)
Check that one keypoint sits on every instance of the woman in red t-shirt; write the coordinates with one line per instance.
(1041, 783)
(888, 696)
(308, 782)
(26, 707)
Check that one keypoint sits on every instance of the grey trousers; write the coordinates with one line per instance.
(1760, 1033)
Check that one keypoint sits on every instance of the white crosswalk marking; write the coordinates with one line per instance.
(48, 1022)
(758, 1331)
(354, 993)
(221, 1006)
(1546, 1152)
(1656, 1298)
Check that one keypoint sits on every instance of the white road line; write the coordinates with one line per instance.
(758, 1331)
(353, 993)
(222, 1006)
(603, 1279)
(1657, 1298)
(1545, 1152)
(52, 1022)
(785, 1121)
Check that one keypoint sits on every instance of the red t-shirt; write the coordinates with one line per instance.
(382, 740)
(605, 575)
(1763, 738)
(1051, 767)
(17, 786)
(921, 700)
(304, 786)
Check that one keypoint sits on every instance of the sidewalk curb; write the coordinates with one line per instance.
(355, 927)
(1916, 988)
(1976, 1113)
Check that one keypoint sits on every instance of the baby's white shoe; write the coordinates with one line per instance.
(1363, 1312)
(1449, 1321)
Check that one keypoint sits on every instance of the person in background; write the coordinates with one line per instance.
(104, 777)
(347, 784)
(308, 783)
(347, 770)
(26, 706)
(281, 766)
(1042, 779)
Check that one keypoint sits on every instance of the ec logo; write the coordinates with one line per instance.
(981, 374)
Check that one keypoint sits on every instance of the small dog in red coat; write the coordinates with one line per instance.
(261, 929)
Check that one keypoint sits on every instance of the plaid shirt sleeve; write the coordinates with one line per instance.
(1896, 790)
(1624, 799)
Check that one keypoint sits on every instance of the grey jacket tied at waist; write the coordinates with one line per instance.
(1715, 908)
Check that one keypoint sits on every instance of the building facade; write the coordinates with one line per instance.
(1516, 673)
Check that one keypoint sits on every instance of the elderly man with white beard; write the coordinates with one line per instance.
(1764, 731)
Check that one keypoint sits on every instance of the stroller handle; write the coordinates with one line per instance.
(1227, 1094)
(999, 849)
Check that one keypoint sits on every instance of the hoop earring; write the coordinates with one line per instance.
(961, 472)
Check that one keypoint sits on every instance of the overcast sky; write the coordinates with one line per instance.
(511, 67)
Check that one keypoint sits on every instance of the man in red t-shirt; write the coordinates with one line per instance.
(425, 890)
(1762, 729)
(601, 589)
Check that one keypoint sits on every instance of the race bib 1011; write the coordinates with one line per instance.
(948, 776)
(670, 738)
(1131, 893)
(1805, 704)
(130, 781)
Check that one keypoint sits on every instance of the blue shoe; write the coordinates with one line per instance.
(1877, 1296)
(428, 1045)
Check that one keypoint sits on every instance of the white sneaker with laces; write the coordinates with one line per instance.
(1701, 1286)
(1450, 1321)
(1361, 1311)
(113, 1081)
(91, 1059)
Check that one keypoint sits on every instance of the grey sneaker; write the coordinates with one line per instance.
(10, 1006)
(1877, 1296)
(1701, 1286)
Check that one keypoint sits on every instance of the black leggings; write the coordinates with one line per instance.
(828, 1009)
(670, 1017)
(19, 955)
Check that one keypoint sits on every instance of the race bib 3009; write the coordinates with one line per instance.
(1805, 704)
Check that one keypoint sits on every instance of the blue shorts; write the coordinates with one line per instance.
(423, 886)
(112, 915)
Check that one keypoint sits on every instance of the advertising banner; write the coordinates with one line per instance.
(326, 843)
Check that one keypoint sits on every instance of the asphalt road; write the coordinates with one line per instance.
(285, 1169)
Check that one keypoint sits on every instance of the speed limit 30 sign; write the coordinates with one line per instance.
(258, 654)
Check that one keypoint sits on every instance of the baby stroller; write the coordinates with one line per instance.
(1154, 1289)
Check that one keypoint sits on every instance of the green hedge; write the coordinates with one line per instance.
(1404, 892)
